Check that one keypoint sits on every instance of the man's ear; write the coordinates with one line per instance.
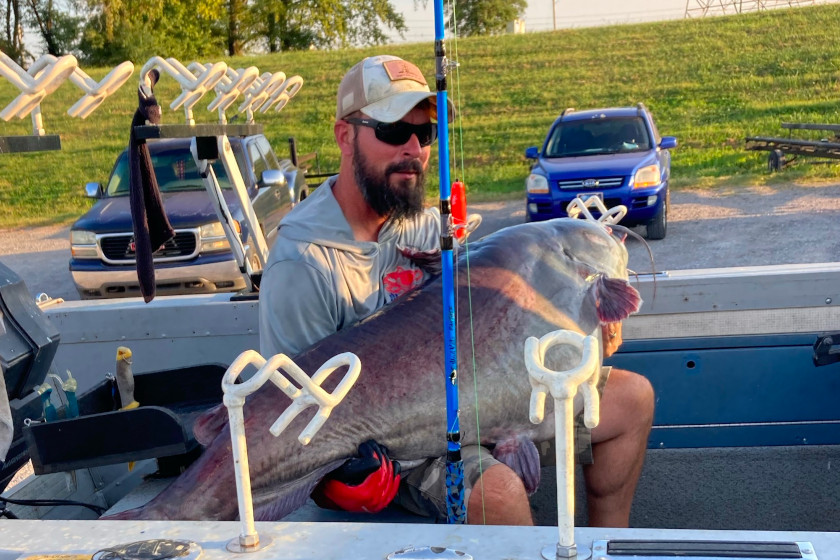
(344, 134)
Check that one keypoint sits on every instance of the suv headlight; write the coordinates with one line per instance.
(649, 176)
(83, 244)
(213, 238)
(536, 184)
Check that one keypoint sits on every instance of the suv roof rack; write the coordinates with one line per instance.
(640, 107)
(567, 111)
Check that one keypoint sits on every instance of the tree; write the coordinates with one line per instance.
(235, 26)
(58, 29)
(11, 42)
(118, 30)
(481, 17)
(301, 24)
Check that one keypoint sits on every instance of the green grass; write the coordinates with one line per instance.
(710, 82)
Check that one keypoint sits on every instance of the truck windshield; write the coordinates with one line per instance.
(597, 137)
(175, 171)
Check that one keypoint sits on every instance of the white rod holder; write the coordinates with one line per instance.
(579, 208)
(193, 87)
(44, 76)
(563, 385)
(310, 393)
(261, 92)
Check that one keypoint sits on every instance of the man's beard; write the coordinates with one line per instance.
(404, 199)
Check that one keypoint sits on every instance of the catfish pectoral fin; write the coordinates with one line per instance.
(520, 454)
(210, 424)
(615, 299)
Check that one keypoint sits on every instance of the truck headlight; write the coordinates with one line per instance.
(213, 238)
(536, 184)
(83, 244)
(649, 176)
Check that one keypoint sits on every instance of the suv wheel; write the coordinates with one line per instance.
(658, 226)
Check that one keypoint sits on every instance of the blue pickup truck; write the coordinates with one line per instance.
(199, 258)
(616, 154)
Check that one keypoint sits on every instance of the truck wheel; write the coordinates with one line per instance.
(658, 226)
(775, 161)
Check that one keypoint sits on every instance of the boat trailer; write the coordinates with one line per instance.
(782, 148)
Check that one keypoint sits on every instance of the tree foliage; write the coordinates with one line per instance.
(58, 29)
(11, 41)
(110, 31)
(302, 24)
(118, 30)
(483, 17)
(136, 29)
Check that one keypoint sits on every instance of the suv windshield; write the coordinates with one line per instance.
(598, 136)
(175, 171)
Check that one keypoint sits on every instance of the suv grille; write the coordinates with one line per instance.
(583, 184)
(118, 248)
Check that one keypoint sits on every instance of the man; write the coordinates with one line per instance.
(336, 261)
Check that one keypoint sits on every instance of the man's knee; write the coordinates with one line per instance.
(499, 497)
(640, 396)
(627, 405)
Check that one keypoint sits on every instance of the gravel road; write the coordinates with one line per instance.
(743, 226)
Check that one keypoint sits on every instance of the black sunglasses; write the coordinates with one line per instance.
(398, 133)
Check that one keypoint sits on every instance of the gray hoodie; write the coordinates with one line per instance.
(319, 279)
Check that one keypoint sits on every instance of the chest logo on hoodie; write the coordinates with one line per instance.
(401, 280)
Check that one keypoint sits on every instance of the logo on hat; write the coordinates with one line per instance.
(403, 70)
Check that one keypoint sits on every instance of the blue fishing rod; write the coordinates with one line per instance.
(455, 507)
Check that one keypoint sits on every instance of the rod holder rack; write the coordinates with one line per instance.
(307, 392)
(44, 76)
(260, 91)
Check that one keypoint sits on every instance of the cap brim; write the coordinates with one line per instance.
(395, 107)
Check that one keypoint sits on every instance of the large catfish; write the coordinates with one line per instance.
(525, 280)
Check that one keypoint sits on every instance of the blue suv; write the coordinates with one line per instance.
(616, 154)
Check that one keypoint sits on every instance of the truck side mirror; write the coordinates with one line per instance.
(668, 142)
(532, 153)
(273, 178)
(93, 190)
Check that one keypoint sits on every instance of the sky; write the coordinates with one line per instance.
(566, 13)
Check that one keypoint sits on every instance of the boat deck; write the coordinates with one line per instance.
(324, 541)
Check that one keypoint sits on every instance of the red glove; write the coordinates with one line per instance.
(365, 483)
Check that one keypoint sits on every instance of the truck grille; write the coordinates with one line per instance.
(118, 248)
(584, 184)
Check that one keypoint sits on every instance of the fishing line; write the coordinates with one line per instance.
(644, 243)
(458, 130)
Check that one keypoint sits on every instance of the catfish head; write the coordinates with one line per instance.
(576, 268)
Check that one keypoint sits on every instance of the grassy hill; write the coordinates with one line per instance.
(710, 82)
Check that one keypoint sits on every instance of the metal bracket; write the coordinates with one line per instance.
(20, 144)
(428, 553)
(827, 349)
(147, 132)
